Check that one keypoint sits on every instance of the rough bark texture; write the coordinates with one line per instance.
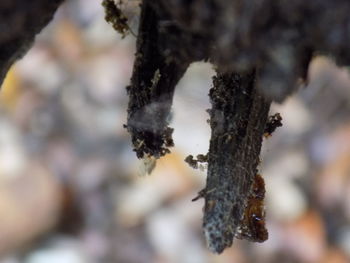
(278, 37)
(264, 41)
(238, 117)
(20, 21)
(151, 91)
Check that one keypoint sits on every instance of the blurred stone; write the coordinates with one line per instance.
(334, 255)
(285, 200)
(60, 251)
(13, 160)
(29, 206)
(170, 180)
(169, 234)
(344, 240)
(296, 116)
(305, 238)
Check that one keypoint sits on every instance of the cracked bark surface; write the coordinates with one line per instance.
(261, 51)
(237, 120)
(238, 117)
(279, 37)
(151, 90)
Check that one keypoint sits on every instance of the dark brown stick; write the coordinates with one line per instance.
(20, 21)
(151, 91)
(238, 117)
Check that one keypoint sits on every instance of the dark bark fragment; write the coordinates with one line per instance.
(279, 37)
(274, 121)
(115, 16)
(238, 117)
(20, 21)
(196, 163)
(151, 90)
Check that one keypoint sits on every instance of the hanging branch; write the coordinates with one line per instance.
(20, 21)
(237, 119)
(151, 90)
(278, 39)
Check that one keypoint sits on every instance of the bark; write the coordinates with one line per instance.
(261, 50)
(20, 21)
(238, 119)
(278, 37)
(151, 91)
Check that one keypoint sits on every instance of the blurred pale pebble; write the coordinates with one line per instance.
(284, 200)
(29, 104)
(127, 157)
(297, 118)
(322, 149)
(65, 251)
(61, 158)
(267, 249)
(188, 216)
(172, 238)
(137, 201)
(170, 179)
(107, 121)
(191, 212)
(40, 68)
(323, 72)
(9, 259)
(90, 174)
(68, 43)
(94, 121)
(87, 11)
(331, 182)
(30, 204)
(340, 140)
(78, 110)
(55, 256)
(334, 255)
(327, 147)
(344, 240)
(289, 164)
(111, 76)
(25, 187)
(233, 254)
(41, 123)
(321, 65)
(305, 238)
(13, 159)
(346, 200)
(95, 243)
(332, 186)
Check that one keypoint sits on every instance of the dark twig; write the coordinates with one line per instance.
(20, 21)
(151, 91)
(238, 117)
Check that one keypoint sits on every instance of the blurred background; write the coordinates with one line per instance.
(70, 184)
